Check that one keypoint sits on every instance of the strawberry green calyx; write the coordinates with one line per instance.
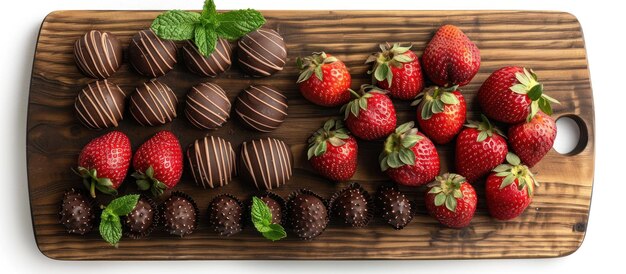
(485, 127)
(397, 151)
(529, 86)
(313, 65)
(514, 169)
(332, 132)
(447, 189)
(436, 102)
(387, 57)
(147, 181)
(360, 100)
(92, 182)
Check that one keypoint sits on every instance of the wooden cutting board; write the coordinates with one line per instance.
(550, 42)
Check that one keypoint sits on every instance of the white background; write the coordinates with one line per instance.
(603, 246)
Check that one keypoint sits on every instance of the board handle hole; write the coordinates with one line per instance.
(571, 135)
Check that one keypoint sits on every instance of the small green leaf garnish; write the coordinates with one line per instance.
(262, 220)
(110, 224)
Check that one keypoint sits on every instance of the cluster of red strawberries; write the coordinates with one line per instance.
(510, 95)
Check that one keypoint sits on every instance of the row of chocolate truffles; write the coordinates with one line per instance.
(99, 54)
(101, 105)
(304, 213)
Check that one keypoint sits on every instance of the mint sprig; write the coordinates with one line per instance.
(110, 223)
(262, 220)
(205, 28)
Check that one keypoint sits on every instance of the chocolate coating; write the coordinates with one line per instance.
(261, 52)
(141, 220)
(276, 206)
(267, 163)
(225, 215)
(98, 54)
(180, 214)
(261, 108)
(395, 208)
(207, 106)
(100, 105)
(150, 55)
(353, 206)
(209, 66)
(153, 104)
(308, 215)
(212, 161)
(77, 213)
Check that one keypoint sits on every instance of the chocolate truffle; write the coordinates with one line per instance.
(77, 213)
(225, 215)
(212, 161)
(308, 215)
(353, 206)
(98, 54)
(180, 214)
(140, 222)
(150, 55)
(153, 104)
(277, 206)
(207, 106)
(261, 52)
(209, 66)
(267, 163)
(394, 207)
(100, 105)
(261, 108)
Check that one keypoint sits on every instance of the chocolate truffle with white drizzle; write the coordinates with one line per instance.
(212, 161)
(267, 163)
(207, 106)
(209, 66)
(98, 54)
(150, 55)
(262, 108)
(100, 105)
(153, 104)
(262, 52)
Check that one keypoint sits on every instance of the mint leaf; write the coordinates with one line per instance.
(237, 23)
(122, 205)
(110, 227)
(205, 40)
(275, 233)
(176, 25)
(209, 9)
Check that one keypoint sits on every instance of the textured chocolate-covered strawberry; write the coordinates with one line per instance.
(140, 222)
(308, 214)
(180, 214)
(353, 206)
(77, 212)
(394, 207)
(225, 213)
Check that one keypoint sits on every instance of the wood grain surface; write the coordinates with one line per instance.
(549, 42)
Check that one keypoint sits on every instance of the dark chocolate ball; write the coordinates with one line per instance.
(212, 65)
(142, 219)
(153, 104)
(77, 213)
(150, 55)
(261, 108)
(100, 105)
(261, 52)
(308, 215)
(225, 215)
(180, 214)
(266, 163)
(98, 54)
(212, 161)
(352, 206)
(276, 205)
(207, 106)
(395, 208)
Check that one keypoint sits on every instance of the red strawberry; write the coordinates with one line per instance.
(409, 157)
(451, 58)
(479, 148)
(532, 140)
(332, 152)
(370, 116)
(451, 200)
(329, 87)
(441, 114)
(158, 163)
(512, 95)
(397, 70)
(509, 189)
(103, 162)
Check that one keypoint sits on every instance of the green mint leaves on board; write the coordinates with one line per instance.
(206, 27)
(262, 220)
(110, 222)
